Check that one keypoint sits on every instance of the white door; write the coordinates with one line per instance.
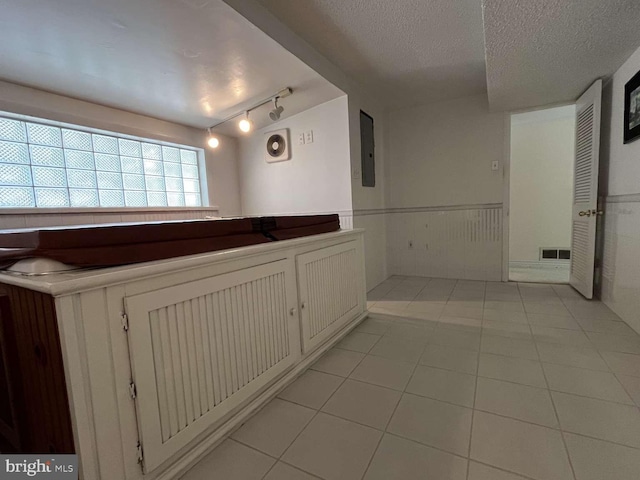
(585, 191)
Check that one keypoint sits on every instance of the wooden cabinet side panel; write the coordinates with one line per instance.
(38, 372)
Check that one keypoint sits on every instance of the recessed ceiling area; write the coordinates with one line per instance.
(406, 52)
(193, 62)
(545, 52)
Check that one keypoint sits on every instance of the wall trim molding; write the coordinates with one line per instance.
(630, 198)
(437, 208)
(101, 210)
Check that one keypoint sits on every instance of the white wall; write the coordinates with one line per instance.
(359, 98)
(221, 166)
(315, 180)
(441, 154)
(441, 189)
(541, 181)
(621, 164)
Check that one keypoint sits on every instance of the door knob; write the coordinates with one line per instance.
(586, 213)
(293, 312)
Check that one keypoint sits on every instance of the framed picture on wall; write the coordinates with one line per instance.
(632, 109)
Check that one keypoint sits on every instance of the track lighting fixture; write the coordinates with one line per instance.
(212, 141)
(245, 124)
(277, 111)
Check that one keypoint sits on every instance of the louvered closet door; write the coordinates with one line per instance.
(585, 195)
(202, 348)
(330, 285)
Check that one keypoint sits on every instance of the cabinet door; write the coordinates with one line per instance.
(331, 283)
(201, 349)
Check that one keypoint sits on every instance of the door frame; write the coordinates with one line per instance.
(506, 181)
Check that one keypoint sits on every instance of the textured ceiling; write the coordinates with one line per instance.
(542, 52)
(187, 61)
(406, 51)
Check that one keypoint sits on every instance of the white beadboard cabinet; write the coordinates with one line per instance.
(163, 359)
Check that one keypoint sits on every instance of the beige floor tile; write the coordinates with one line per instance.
(503, 295)
(282, 471)
(588, 383)
(333, 448)
(363, 403)
(554, 321)
(478, 471)
(546, 307)
(338, 362)
(505, 315)
(427, 307)
(460, 324)
(231, 460)
(522, 402)
(511, 347)
(445, 385)
(358, 342)
(582, 357)
(383, 372)
(560, 336)
(605, 326)
(518, 370)
(451, 338)
(459, 308)
(398, 458)
(311, 389)
(404, 349)
(531, 450)
(623, 363)
(615, 343)
(596, 418)
(411, 330)
(274, 428)
(507, 329)
(373, 325)
(432, 423)
(465, 361)
(512, 299)
(597, 460)
(515, 306)
(632, 386)
(390, 304)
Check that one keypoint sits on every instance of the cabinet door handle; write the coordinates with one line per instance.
(293, 312)
(304, 305)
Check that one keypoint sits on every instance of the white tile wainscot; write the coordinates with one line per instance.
(621, 260)
(462, 242)
(230, 322)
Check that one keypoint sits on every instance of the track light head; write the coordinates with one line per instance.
(245, 124)
(212, 141)
(277, 111)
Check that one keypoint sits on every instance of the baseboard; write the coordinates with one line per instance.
(207, 445)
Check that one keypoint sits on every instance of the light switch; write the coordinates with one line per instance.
(495, 165)
(301, 138)
(308, 136)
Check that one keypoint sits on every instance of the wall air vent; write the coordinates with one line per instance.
(554, 253)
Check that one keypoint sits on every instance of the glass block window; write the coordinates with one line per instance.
(50, 166)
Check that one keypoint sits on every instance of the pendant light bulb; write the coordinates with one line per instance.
(213, 141)
(245, 124)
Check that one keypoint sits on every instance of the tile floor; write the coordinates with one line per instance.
(455, 380)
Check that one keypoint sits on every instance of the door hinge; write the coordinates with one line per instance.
(124, 318)
(132, 390)
(140, 453)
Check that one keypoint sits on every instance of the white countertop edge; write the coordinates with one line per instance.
(74, 282)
